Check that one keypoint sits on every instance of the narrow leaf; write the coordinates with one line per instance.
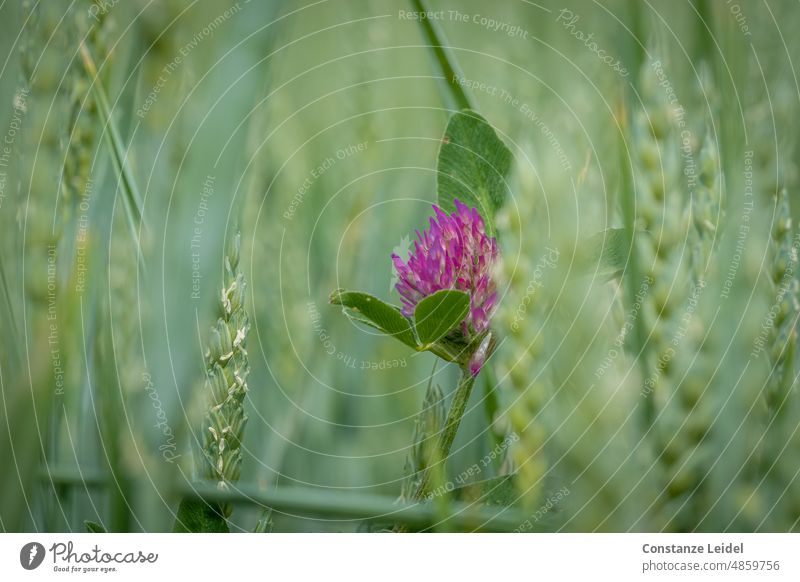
(133, 204)
(473, 165)
(439, 313)
(380, 315)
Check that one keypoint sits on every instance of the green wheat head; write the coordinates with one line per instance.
(226, 379)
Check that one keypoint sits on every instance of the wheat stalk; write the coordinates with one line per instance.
(520, 317)
(570, 398)
(665, 256)
(782, 325)
(82, 125)
(227, 369)
(779, 343)
(43, 104)
(706, 209)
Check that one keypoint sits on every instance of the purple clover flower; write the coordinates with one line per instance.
(454, 253)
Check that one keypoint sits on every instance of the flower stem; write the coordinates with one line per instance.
(444, 59)
(451, 425)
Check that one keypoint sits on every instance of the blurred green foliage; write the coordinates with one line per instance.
(314, 129)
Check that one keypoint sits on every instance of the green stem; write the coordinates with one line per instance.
(636, 41)
(705, 48)
(443, 58)
(451, 425)
(632, 276)
(10, 307)
(491, 406)
(447, 352)
(317, 502)
(334, 505)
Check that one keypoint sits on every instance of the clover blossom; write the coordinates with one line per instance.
(454, 253)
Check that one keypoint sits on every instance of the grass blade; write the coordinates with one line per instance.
(133, 204)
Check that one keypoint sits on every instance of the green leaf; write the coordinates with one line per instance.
(196, 515)
(437, 314)
(472, 167)
(376, 313)
(500, 491)
(93, 527)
